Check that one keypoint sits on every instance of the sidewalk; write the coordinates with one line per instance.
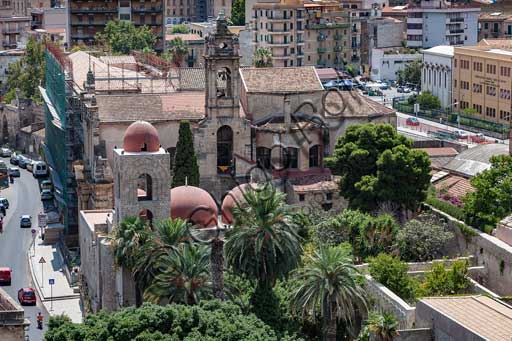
(59, 298)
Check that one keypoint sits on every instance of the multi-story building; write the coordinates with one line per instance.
(303, 34)
(433, 23)
(88, 18)
(386, 63)
(494, 25)
(195, 45)
(482, 81)
(180, 11)
(14, 23)
(436, 76)
(380, 33)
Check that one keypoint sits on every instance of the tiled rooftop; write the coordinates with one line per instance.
(475, 160)
(184, 37)
(443, 151)
(491, 319)
(280, 79)
(454, 186)
(353, 104)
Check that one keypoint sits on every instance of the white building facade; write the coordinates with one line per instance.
(385, 64)
(436, 22)
(436, 74)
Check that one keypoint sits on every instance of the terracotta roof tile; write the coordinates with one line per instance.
(443, 151)
(353, 104)
(454, 186)
(280, 79)
(184, 36)
(191, 78)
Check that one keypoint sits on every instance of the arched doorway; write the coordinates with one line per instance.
(224, 149)
(147, 216)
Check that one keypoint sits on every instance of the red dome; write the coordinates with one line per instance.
(236, 195)
(141, 136)
(195, 205)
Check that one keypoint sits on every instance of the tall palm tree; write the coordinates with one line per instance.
(263, 243)
(178, 50)
(127, 240)
(262, 57)
(184, 277)
(330, 283)
(384, 325)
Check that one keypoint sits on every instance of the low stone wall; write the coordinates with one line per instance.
(420, 334)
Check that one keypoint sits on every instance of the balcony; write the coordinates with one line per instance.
(14, 30)
(300, 53)
(97, 23)
(455, 31)
(355, 58)
(321, 50)
(456, 42)
(9, 44)
(281, 56)
(337, 37)
(147, 10)
(453, 20)
(94, 10)
(356, 46)
(300, 42)
(338, 48)
(324, 26)
(321, 37)
(277, 18)
(278, 43)
(278, 31)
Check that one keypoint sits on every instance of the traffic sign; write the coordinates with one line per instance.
(42, 219)
(34, 231)
(51, 281)
(42, 261)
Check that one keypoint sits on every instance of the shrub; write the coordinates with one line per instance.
(441, 205)
(440, 281)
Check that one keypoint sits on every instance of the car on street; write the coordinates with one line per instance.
(406, 90)
(5, 276)
(478, 138)
(46, 184)
(14, 171)
(412, 121)
(46, 194)
(27, 296)
(461, 135)
(4, 202)
(39, 169)
(3, 167)
(30, 165)
(25, 221)
(23, 161)
(14, 159)
(5, 152)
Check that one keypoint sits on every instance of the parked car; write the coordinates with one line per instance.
(412, 121)
(25, 221)
(14, 171)
(478, 138)
(39, 169)
(5, 152)
(406, 90)
(46, 184)
(461, 135)
(4, 202)
(14, 159)
(5, 276)
(30, 165)
(23, 161)
(46, 194)
(3, 167)
(27, 296)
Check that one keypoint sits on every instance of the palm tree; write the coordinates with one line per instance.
(330, 283)
(127, 240)
(178, 49)
(184, 277)
(384, 325)
(262, 57)
(263, 243)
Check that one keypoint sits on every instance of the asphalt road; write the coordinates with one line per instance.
(23, 198)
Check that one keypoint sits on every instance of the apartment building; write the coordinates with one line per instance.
(436, 73)
(303, 34)
(380, 33)
(494, 25)
(436, 22)
(482, 81)
(180, 11)
(90, 17)
(14, 23)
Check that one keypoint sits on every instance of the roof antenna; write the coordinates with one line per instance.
(186, 181)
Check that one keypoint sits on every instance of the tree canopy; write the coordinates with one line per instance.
(122, 37)
(377, 165)
(210, 320)
(238, 13)
(492, 200)
(410, 74)
(185, 164)
(181, 28)
(428, 101)
(178, 49)
(262, 57)
(27, 73)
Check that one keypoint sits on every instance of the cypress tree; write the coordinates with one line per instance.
(185, 164)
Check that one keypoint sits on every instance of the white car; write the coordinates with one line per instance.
(461, 135)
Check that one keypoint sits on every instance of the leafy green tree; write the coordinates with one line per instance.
(492, 200)
(178, 49)
(440, 281)
(383, 325)
(377, 165)
(27, 73)
(181, 28)
(331, 286)
(392, 273)
(351, 69)
(262, 57)
(186, 169)
(122, 37)
(423, 239)
(428, 101)
(263, 243)
(209, 320)
(184, 276)
(238, 13)
(411, 74)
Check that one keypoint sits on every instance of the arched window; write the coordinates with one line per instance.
(223, 83)
(224, 149)
(144, 187)
(263, 157)
(314, 156)
(291, 157)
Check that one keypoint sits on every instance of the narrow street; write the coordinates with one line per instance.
(24, 198)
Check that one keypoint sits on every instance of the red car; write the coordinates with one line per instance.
(27, 296)
(412, 121)
(5, 276)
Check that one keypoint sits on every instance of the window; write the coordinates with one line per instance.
(263, 157)
(314, 156)
(455, 62)
(477, 88)
(464, 64)
(491, 69)
(144, 187)
(302, 197)
(455, 83)
(328, 196)
(478, 108)
(505, 115)
(224, 149)
(505, 71)
(291, 158)
(490, 90)
(477, 66)
(464, 85)
(491, 112)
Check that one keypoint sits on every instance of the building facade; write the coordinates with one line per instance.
(436, 75)
(183, 11)
(494, 25)
(14, 23)
(88, 18)
(482, 82)
(386, 63)
(381, 32)
(433, 23)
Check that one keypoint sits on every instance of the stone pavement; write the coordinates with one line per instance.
(59, 298)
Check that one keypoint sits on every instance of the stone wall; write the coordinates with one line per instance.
(420, 334)
(12, 333)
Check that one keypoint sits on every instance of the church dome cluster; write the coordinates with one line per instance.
(141, 136)
(195, 205)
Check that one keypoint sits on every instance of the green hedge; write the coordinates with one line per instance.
(454, 211)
